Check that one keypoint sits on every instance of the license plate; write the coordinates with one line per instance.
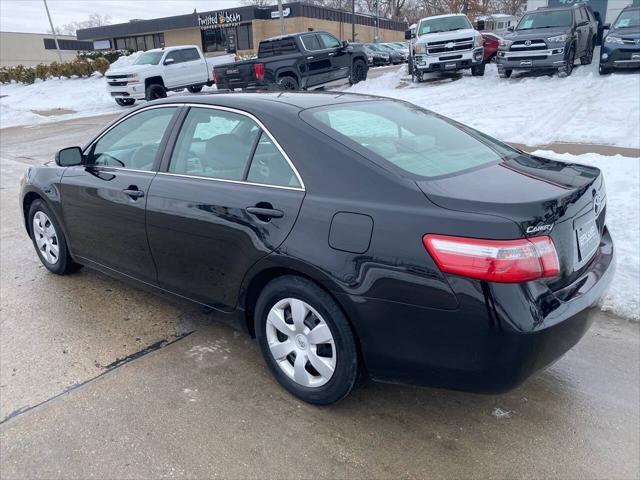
(525, 63)
(449, 65)
(588, 238)
(231, 71)
(635, 56)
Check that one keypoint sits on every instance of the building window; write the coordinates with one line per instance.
(141, 42)
(217, 39)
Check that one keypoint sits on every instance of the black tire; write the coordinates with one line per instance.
(505, 73)
(125, 102)
(155, 91)
(603, 70)
(346, 372)
(587, 58)
(478, 70)
(195, 88)
(358, 72)
(567, 69)
(287, 82)
(64, 264)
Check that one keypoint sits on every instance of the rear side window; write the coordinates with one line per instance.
(230, 146)
(190, 54)
(406, 136)
(277, 47)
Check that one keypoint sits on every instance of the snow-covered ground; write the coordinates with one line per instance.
(622, 180)
(533, 110)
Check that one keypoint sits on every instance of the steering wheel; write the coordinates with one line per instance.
(144, 156)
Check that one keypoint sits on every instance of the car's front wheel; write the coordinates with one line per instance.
(125, 102)
(49, 240)
(478, 70)
(603, 70)
(155, 92)
(306, 340)
(566, 70)
(504, 73)
(358, 72)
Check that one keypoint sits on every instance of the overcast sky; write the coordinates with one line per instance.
(30, 15)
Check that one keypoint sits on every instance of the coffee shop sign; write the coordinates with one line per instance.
(219, 20)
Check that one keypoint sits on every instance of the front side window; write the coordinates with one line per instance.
(408, 137)
(229, 146)
(134, 142)
(311, 42)
(328, 41)
(444, 24)
(548, 19)
(176, 56)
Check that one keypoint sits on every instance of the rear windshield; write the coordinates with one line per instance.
(412, 139)
(549, 19)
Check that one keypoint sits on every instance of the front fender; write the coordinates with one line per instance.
(43, 182)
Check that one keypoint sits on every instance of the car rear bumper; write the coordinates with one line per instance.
(449, 61)
(499, 336)
(530, 60)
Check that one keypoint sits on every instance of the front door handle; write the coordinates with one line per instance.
(265, 214)
(133, 192)
(310, 58)
(331, 54)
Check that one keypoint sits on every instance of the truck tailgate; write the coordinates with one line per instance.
(236, 75)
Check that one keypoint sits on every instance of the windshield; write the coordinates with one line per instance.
(407, 136)
(628, 19)
(444, 24)
(149, 58)
(549, 19)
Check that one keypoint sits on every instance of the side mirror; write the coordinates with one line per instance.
(408, 35)
(606, 26)
(68, 157)
(344, 44)
(169, 61)
(510, 29)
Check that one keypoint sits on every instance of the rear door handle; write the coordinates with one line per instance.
(133, 192)
(265, 212)
(331, 54)
(310, 58)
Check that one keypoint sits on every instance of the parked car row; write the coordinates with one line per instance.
(379, 54)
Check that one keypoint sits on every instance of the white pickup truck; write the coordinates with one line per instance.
(159, 70)
(445, 43)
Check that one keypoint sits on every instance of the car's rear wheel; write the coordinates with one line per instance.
(478, 70)
(288, 82)
(155, 92)
(125, 102)
(588, 56)
(567, 69)
(49, 240)
(195, 88)
(504, 73)
(306, 340)
(358, 72)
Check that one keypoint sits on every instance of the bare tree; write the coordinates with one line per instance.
(94, 20)
(258, 3)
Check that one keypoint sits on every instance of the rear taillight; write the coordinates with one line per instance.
(236, 58)
(259, 70)
(214, 77)
(503, 261)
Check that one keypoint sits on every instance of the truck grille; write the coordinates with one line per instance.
(117, 84)
(115, 77)
(528, 45)
(449, 46)
(631, 41)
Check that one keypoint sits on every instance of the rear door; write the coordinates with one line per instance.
(227, 195)
(583, 28)
(104, 199)
(317, 60)
(340, 58)
(194, 67)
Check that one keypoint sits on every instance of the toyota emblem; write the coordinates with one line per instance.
(597, 203)
(527, 42)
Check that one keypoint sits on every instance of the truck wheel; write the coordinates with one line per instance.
(155, 91)
(566, 70)
(125, 102)
(588, 56)
(504, 73)
(603, 70)
(478, 70)
(358, 72)
(195, 88)
(288, 82)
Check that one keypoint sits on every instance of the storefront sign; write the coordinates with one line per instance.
(219, 20)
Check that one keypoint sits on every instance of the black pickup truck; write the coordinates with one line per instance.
(293, 62)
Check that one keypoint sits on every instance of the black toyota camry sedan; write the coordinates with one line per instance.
(355, 237)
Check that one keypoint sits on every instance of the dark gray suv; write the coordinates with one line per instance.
(549, 38)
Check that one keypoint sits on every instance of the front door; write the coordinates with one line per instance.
(225, 197)
(104, 199)
(317, 60)
(174, 73)
(340, 58)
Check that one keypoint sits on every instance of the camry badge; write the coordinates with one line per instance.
(540, 228)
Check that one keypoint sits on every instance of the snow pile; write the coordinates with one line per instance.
(532, 110)
(84, 96)
(622, 181)
(126, 61)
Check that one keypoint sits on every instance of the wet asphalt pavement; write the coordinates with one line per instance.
(100, 379)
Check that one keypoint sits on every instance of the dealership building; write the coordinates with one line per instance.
(606, 10)
(239, 29)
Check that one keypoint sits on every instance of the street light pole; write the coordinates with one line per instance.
(281, 15)
(53, 30)
(353, 20)
(377, 21)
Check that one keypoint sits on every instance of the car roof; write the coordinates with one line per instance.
(443, 16)
(268, 101)
(290, 35)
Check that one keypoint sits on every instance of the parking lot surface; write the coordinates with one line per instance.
(100, 379)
